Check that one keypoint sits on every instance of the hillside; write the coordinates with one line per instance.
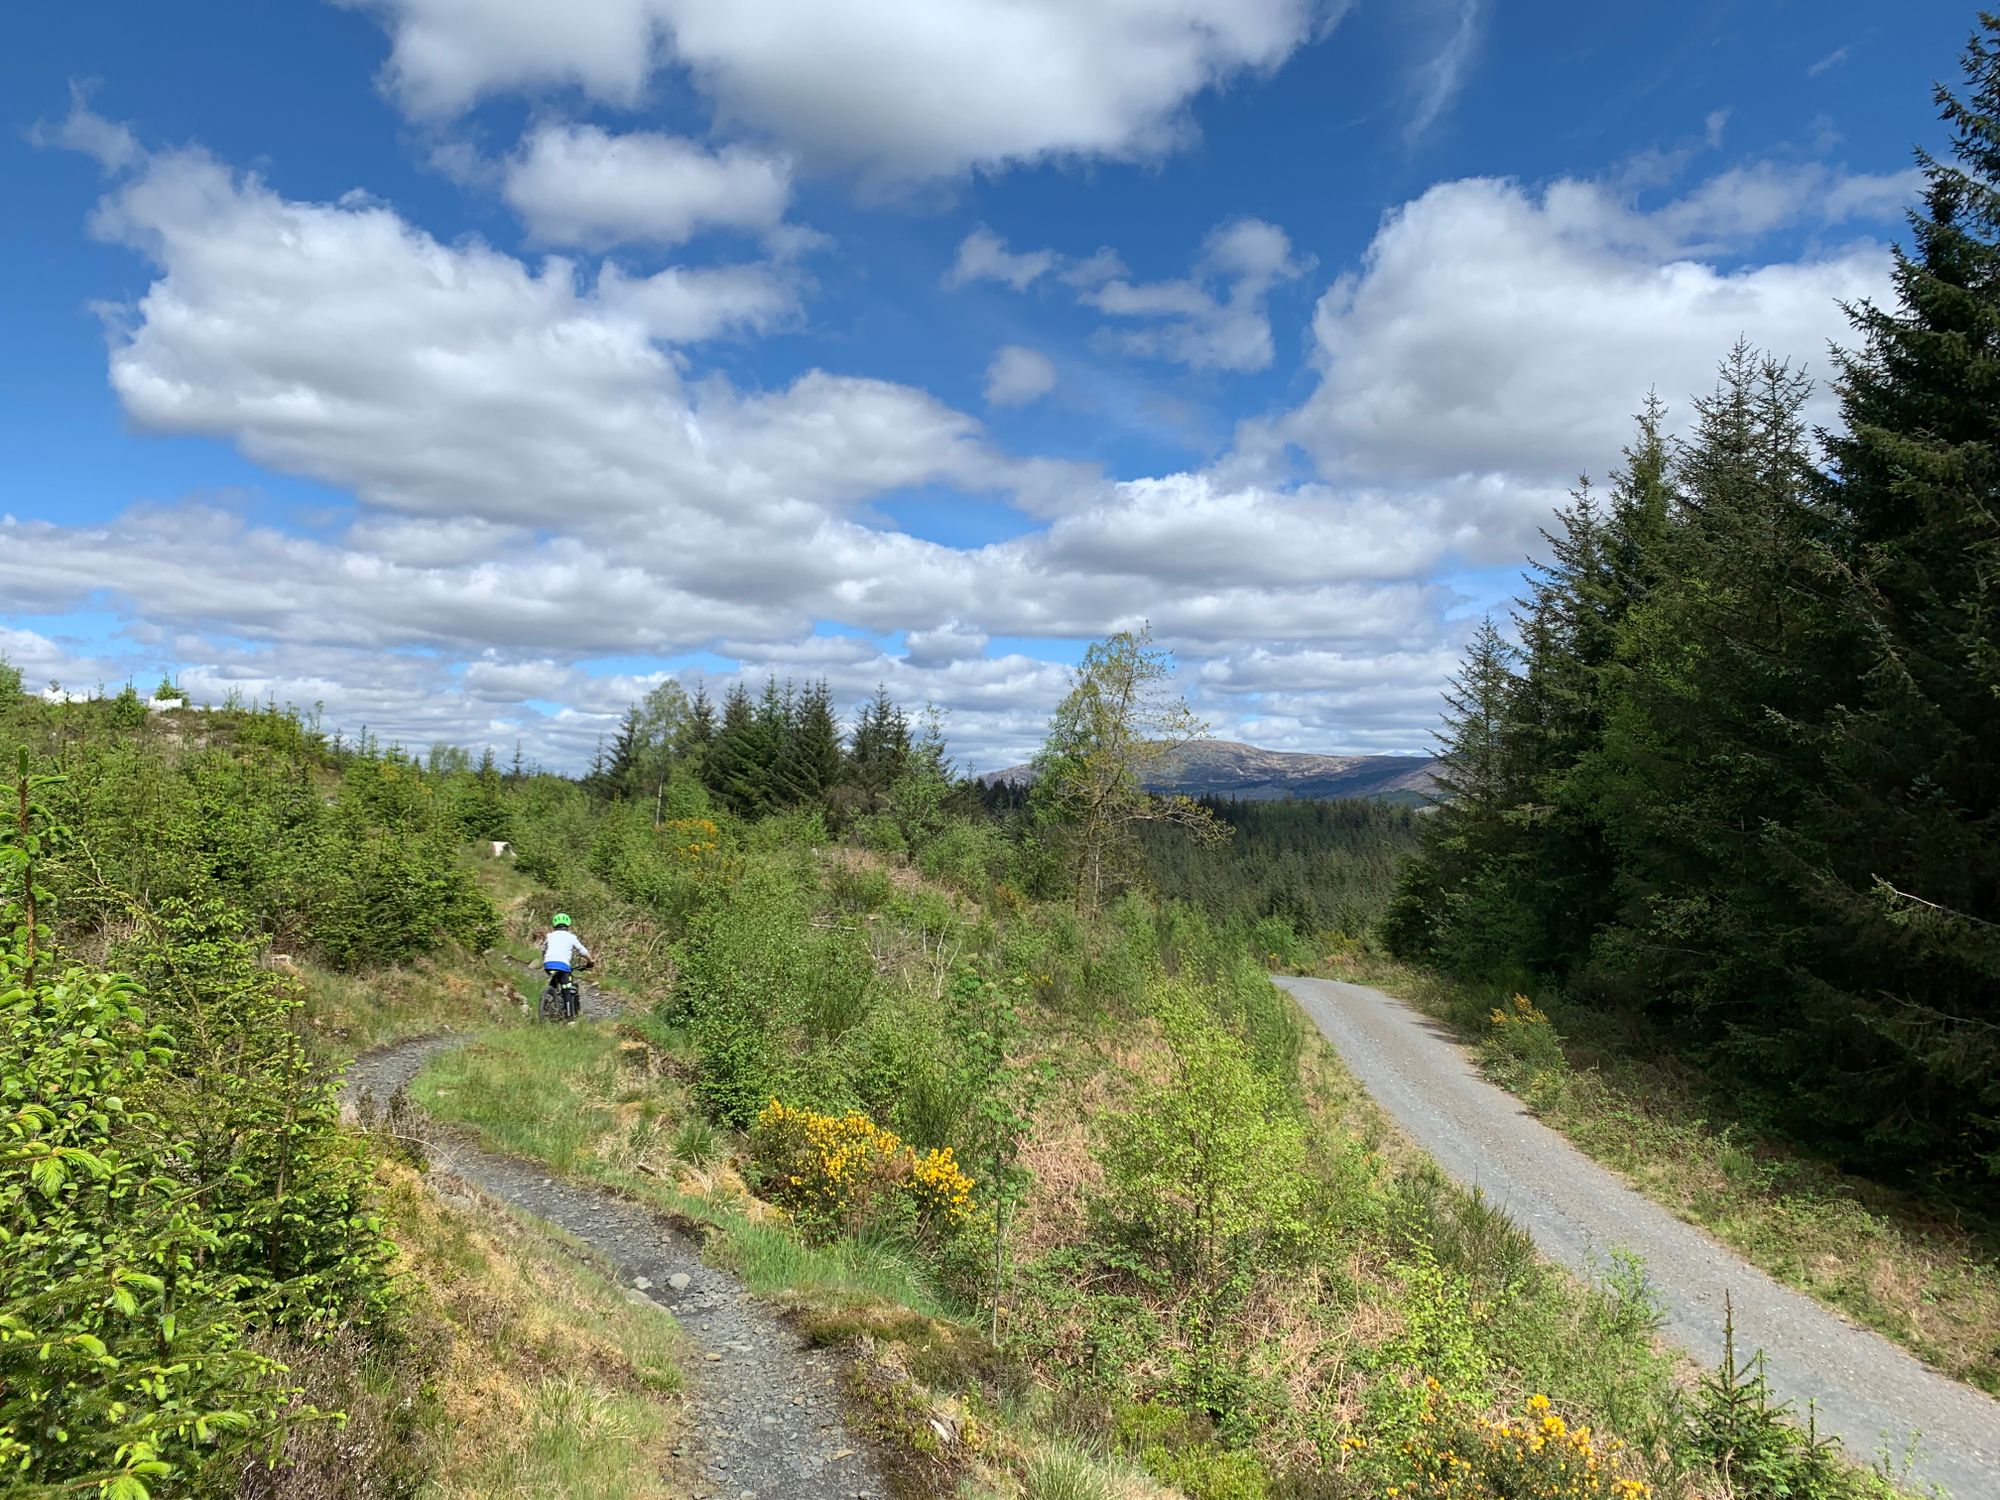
(1226, 768)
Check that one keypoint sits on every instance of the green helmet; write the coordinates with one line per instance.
(562, 919)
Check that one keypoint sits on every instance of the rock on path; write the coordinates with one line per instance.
(1867, 1390)
(768, 1414)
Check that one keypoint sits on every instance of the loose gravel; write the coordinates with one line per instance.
(1865, 1390)
(768, 1412)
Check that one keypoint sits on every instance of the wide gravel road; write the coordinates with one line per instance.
(1869, 1391)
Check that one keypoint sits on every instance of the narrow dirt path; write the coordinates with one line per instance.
(1866, 1390)
(768, 1412)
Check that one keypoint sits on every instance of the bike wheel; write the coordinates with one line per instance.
(551, 1003)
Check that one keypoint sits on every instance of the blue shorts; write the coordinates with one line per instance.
(556, 966)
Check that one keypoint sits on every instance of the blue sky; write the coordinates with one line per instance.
(464, 366)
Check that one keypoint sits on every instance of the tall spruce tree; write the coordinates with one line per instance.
(1602, 560)
(880, 750)
(1904, 853)
(728, 759)
(1460, 902)
(1714, 715)
(813, 761)
(697, 731)
(623, 771)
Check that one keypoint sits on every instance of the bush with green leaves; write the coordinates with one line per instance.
(124, 1366)
(1204, 1171)
(767, 996)
(173, 1185)
(286, 1193)
(352, 859)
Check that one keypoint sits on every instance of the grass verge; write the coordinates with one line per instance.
(556, 1382)
(518, 1371)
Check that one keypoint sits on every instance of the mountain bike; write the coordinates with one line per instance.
(561, 999)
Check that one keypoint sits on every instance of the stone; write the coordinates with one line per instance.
(680, 1281)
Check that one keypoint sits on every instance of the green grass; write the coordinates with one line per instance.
(1061, 1472)
(541, 1092)
(1911, 1270)
(348, 1014)
(563, 1096)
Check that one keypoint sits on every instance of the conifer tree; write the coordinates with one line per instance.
(880, 749)
(1459, 902)
(730, 756)
(698, 730)
(622, 770)
(1713, 731)
(486, 814)
(1904, 854)
(813, 761)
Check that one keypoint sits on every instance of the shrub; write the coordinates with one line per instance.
(1752, 1440)
(1535, 1454)
(845, 1173)
(1204, 1173)
(286, 1193)
(1175, 1448)
(969, 856)
(746, 967)
(123, 1362)
(1522, 1044)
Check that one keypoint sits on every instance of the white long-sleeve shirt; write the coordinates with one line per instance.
(560, 948)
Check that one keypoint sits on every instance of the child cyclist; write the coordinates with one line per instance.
(560, 950)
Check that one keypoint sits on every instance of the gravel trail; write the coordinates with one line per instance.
(1869, 1391)
(768, 1413)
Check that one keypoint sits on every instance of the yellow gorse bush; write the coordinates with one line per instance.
(1523, 1013)
(1535, 1455)
(693, 841)
(843, 1171)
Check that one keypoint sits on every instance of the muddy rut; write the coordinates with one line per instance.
(768, 1420)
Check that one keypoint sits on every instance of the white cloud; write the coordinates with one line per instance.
(579, 185)
(984, 256)
(684, 306)
(111, 145)
(1495, 342)
(1445, 73)
(1829, 62)
(435, 379)
(542, 480)
(950, 642)
(1194, 325)
(1214, 318)
(1017, 376)
(905, 89)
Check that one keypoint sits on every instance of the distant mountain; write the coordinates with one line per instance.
(1223, 768)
